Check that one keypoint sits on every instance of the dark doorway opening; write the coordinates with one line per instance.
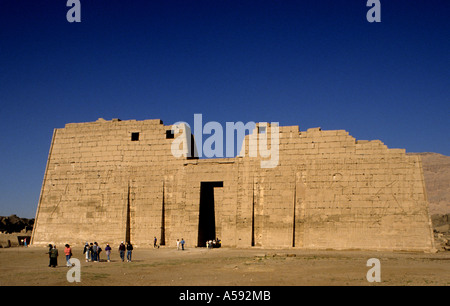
(207, 218)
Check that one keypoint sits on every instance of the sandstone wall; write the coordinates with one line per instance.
(97, 180)
(328, 191)
(331, 191)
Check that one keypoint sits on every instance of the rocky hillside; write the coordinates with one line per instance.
(14, 224)
(436, 171)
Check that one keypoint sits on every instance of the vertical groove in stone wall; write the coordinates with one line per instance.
(163, 220)
(430, 224)
(128, 214)
(253, 213)
(294, 200)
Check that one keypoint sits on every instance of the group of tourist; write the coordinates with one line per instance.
(53, 255)
(216, 243)
(128, 248)
(92, 252)
(181, 244)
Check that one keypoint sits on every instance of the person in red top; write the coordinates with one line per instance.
(68, 252)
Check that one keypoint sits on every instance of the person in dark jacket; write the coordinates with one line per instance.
(108, 252)
(99, 250)
(122, 251)
(91, 251)
(54, 257)
(95, 252)
(129, 251)
(50, 247)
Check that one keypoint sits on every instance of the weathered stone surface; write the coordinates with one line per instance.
(328, 191)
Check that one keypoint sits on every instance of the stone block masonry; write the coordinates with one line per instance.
(111, 181)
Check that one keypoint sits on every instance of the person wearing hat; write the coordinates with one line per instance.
(122, 251)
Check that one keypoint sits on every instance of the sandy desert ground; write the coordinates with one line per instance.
(227, 267)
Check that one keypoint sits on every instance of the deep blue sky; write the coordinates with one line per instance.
(308, 63)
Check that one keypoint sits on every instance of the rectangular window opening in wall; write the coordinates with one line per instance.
(135, 136)
(169, 134)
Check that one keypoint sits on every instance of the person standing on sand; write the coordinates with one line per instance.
(50, 247)
(108, 252)
(122, 251)
(178, 244)
(129, 251)
(68, 253)
(95, 252)
(99, 250)
(91, 251)
(87, 251)
(182, 244)
(54, 257)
